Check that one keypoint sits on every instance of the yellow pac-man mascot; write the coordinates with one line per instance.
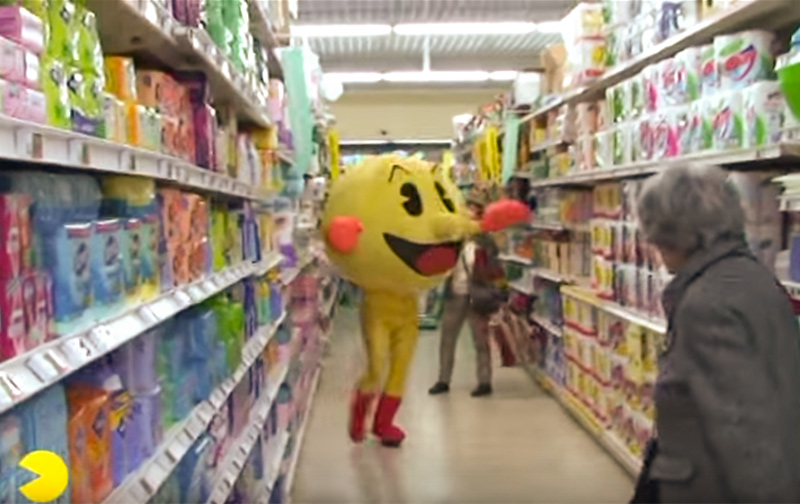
(394, 226)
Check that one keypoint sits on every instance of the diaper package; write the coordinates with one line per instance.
(744, 58)
(765, 109)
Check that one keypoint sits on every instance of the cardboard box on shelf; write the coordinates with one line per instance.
(554, 61)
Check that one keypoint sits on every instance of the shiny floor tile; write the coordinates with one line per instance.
(516, 446)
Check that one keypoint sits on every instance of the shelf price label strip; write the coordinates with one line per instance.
(33, 142)
(29, 373)
(151, 475)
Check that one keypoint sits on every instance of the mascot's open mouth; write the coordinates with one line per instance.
(426, 259)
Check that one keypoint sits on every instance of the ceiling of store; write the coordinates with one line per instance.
(449, 52)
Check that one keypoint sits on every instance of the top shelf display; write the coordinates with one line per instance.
(744, 14)
(151, 31)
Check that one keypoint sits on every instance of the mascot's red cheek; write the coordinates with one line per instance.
(436, 260)
(503, 214)
(343, 233)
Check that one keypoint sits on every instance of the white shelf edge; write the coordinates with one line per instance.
(727, 157)
(28, 374)
(515, 259)
(655, 325)
(178, 440)
(298, 444)
(78, 151)
(290, 275)
(522, 288)
(701, 32)
(327, 308)
(605, 437)
(239, 450)
(547, 325)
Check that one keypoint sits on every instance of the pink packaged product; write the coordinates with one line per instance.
(19, 65)
(37, 308)
(22, 103)
(22, 27)
(10, 248)
(12, 316)
(188, 12)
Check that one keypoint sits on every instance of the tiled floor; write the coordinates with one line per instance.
(516, 446)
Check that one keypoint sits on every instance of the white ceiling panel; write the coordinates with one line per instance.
(401, 52)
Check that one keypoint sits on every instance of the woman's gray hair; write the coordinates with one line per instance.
(687, 208)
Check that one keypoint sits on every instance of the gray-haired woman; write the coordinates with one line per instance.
(728, 388)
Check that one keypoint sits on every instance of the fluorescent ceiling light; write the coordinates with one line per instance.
(503, 28)
(350, 77)
(442, 76)
(503, 75)
(549, 27)
(336, 30)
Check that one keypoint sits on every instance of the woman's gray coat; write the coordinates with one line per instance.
(728, 390)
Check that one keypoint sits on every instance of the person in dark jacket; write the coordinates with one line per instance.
(728, 389)
(478, 262)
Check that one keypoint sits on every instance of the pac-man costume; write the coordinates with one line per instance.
(394, 226)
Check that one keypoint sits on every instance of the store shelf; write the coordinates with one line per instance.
(145, 28)
(288, 276)
(35, 143)
(522, 287)
(240, 448)
(143, 484)
(41, 367)
(286, 156)
(787, 151)
(584, 295)
(327, 307)
(547, 325)
(741, 16)
(601, 435)
(260, 24)
(548, 144)
(298, 444)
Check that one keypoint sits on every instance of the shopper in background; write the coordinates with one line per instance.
(472, 293)
(728, 389)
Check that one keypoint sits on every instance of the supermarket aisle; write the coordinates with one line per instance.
(516, 446)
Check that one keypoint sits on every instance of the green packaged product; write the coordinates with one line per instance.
(56, 93)
(63, 34)
(89, 51)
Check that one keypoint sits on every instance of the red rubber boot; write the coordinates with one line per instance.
(384, 427)
(358, 415)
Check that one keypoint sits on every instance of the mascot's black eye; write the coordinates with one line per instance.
(448, 203)
(413, 203)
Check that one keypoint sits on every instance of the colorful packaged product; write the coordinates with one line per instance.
(729, 121)
(107, 262)
(120, 77)
(765, 108)
(57, 102)
(132, 246)
(744, 58)
(22, 27)
(13, 337)
(67, 256)
(90, 443)
(710, 84)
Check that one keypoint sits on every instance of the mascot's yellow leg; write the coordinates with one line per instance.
(389, 325)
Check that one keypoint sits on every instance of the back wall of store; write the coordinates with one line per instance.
(397, 114)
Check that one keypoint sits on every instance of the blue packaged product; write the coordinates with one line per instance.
(194, 471)
(67, 256)
(202, 325)
(106, 271)
(12, 450)
(132, 258)
(44, 425)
